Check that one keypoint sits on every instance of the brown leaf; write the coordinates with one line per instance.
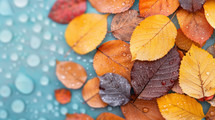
(123, 24)
(212, 102)
(71, 74)
(91, 95)
(176, 88)
(211, 113)
(112, 6)
(108, 116)
(211, 50)
(195, 26)
(76, 116)
(63, 96)
(113, 57)
(192, 5)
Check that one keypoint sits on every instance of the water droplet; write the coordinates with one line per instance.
(20, 3)
(207, 73)
(3, 114)
(75, 106)
(212, 113)
(173, 72)
(37, 28)
(109, 108)
(41, 118)
(1, 104)
(33, 60)
(18, 106)
(63, 110)
(6, 36)
(35, 42)
(49, 106)
(82, 110)
(163, 82)
(45, 68)
(47, 35)
(5, 91)
(24, 84)
(172, 81)
(145, 109)
(9, 22)
(49, 97)
(14, 57)
(23, 18)
(5, 8)
(44, 80)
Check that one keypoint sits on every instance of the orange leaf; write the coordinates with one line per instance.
(71, 74)
(155, 7)
(63, 96)
(108, 116)
(209, 12)
(111, 6)
(76, 116)
(195, 26)
(210, 114)
(91, 95)
(113, 57)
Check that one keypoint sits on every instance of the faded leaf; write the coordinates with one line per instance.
(63, 96)
(76, 116)
(114, 89)
(71, 75)
(209, 12)
(86, 32)
(154, 79)
(91, 95)
(197, 73)
(155, 7)
(195, 26)
(123, 24)
(192, 5)
(63, 11)
(112, 6)
(108, 116)
(141, 110)
(211, 50)
(153, 38)
(210, 114)
(113, 57)
(180, 107)
(176, 88)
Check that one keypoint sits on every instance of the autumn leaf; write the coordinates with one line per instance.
(209, 12)
(195, 26)
(63, 96)
(197, 73)
(86, 32)
(113, 57)
(108, 116)
(153, 38)
(91, 95)
(155, 7)
(114, 89)
(192, 5)
(71, 75)
(76, 116)
(176, 88)
(152, 79)
(63, 11)
(212, 102)
(141, 110)
(112, 6)
(210, 114)
(123, 24)
(211, 50)
(177, 107)
(183, 42)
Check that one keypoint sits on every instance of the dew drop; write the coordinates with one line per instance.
(6, 36)
(109, 108)
(3, 114)
(23, 18)
(44, 80)
(212, 113)
(9, 22)
(18, 106)
(5, 91)
(145, 109)
(207, 73)
(37, 28)
(75, 106)
(42, 118)
(47, 35)
(35, 42)
(24, 84)
(63, 110)
(33, 60)
(14, 57)
(20, 3)
(82, 110)
(163, 82)
(5, 8)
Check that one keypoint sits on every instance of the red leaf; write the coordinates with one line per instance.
(63, 96)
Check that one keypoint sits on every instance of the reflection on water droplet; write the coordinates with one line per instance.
(20, 3)
(145, 109)
(23, 18)
(24, 84)
(5, 91)
(3, 114)
(18, 106)
(35, 42)
(6, 36)
(44, 80)
(33, 60)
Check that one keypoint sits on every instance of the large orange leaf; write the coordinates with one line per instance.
(195, 26)
(84, 33)
(155, 7)
(113, 57)
(108, 116)
(209, 7)
(112, 6)
(76, 116)
(91, 95)
(153, 38)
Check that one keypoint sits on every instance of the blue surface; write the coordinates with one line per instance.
(27, 32)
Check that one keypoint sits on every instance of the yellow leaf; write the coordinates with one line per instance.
(180, 107)
(209, 7)
(86, 32)
(153, 38)
(197, 73)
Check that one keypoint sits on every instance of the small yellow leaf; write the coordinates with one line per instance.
(209, 7)
(197, 73)
(86, 32)
(180, 107)
(153, 38)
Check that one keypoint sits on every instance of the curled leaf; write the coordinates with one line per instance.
(177, 107)
(72, 75)
(63, 96)
(76, 116)
(211, 50)
(155, 7)
(86, 32)
(210, 114)
(91, 95)
(209, 12)
(195, 26)
(113, 57)
(63, 11)
(114, 89)
(192, 5)
(153, 79)
(123, 24)
(197, 73)
(108, 116)
(153, 38)
(112, 6)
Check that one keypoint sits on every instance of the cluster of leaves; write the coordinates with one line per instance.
(151, 57)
